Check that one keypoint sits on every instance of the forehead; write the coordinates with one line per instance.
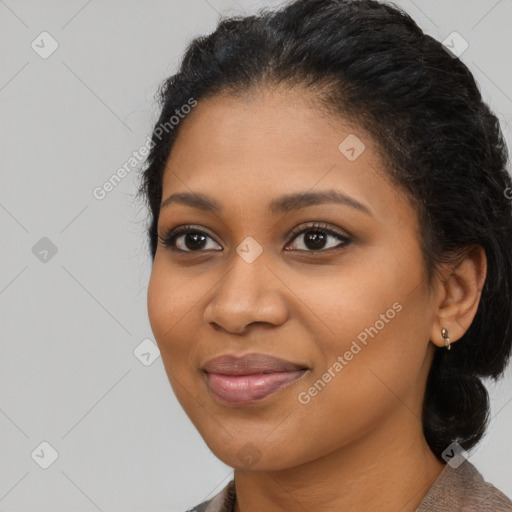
(271, 124)
(247, 149)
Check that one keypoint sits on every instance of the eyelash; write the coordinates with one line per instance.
(169, 238)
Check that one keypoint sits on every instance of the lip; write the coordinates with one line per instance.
(249, 378)
(248, 364)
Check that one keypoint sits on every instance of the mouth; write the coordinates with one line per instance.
(249, 378)
(244, 389)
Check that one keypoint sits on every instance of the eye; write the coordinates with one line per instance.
(316, 238)
(188, 238)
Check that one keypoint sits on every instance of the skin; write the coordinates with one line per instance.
(357, 444)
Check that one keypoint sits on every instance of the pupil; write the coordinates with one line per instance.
(198, 240)
(317, 238)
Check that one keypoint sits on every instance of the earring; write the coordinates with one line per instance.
(444, 333)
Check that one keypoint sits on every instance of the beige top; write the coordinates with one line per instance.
(461, 489)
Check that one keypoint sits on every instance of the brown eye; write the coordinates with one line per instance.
(318, 238)
(187, 239)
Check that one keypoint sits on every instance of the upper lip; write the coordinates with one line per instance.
(247, 364)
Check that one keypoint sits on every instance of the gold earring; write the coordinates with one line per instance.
(444, 333)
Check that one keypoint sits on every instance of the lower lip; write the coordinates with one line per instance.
(243, 389)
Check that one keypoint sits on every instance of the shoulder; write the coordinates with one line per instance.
(223, 501)
(464, 489)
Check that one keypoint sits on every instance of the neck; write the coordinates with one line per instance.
(388, 470)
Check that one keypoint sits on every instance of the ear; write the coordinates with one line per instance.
(458, 295)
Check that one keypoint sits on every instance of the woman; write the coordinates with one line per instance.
(331, 240)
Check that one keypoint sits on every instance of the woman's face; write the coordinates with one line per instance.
(348, 300)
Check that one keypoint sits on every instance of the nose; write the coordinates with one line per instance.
(249, 293)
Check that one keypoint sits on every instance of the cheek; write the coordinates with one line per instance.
(372, 353)
(372, 382)
(171, 301)
(158, 300)
(379, 310)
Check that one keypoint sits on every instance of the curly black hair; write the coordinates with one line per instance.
(368, 62)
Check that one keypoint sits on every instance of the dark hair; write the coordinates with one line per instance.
(369, 63)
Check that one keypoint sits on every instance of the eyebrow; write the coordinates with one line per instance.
(280, 205)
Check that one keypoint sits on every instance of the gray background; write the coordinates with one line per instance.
(70, 321)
